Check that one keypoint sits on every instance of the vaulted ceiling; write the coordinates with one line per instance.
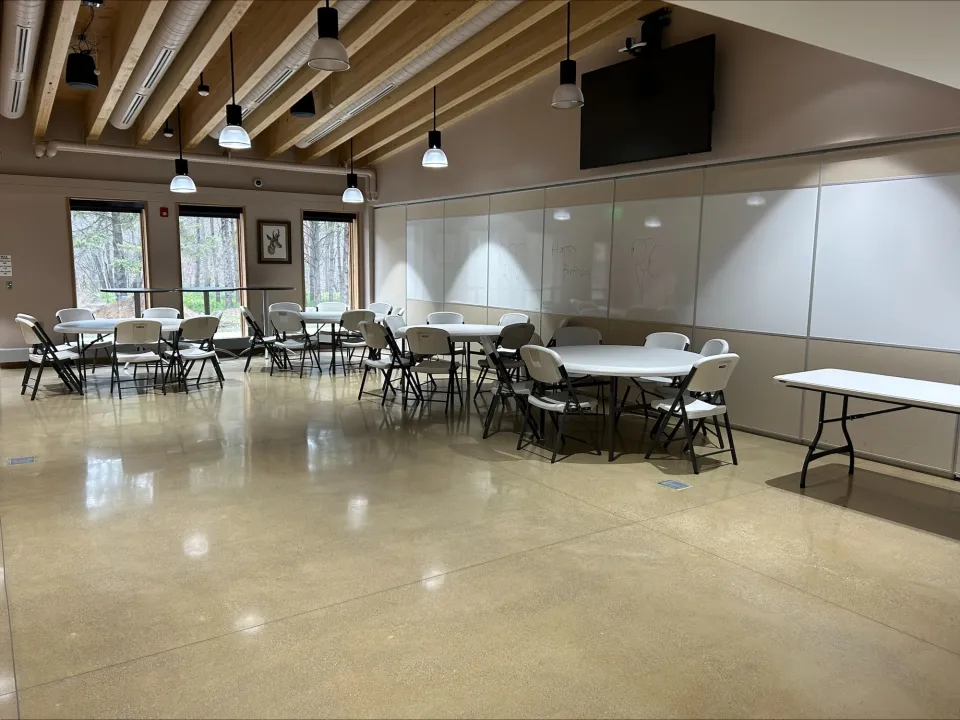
(150, 54)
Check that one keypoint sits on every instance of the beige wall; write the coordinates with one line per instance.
(36, 233)
(921, 439)
(774, 96)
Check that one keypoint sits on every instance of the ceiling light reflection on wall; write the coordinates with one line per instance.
(561, 214)
(756, 200)
(652, 222)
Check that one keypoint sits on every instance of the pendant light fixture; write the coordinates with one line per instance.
(203, 89)
(352, 194)
(182, 182)
(567, 95)
(328, 53)
(233, 136)
(305, 107)
(167, 130)
(81, 71)
(434, 157)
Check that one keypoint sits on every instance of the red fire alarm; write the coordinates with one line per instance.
(164, 212)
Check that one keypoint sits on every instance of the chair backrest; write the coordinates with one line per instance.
(715, 347)
(516, 335)
(28, 327)
(74, 314)
(543, 364)
(137, 332)
(400, 311)
(381, 308)
(711, 374)
(535, 339)
(295, 307)
(428, 341)
(161, 312)
(444, 318)
(576, 335)
(286, 321)
(374, 335)
(667, 340)
(496, 362)
(250, 320)
(201, 327)
(512, 318)
(331, 307)
(394, 323)
(351, 319)
(31, 318)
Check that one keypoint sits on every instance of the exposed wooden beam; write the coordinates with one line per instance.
(516, 81)
(370, 22)
(483, 43)
(216, 23)
(263, 36)
(58, 22)
(422, 27)
(540, 41)
(127, 41)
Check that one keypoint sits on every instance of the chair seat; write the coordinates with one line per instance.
(434, 367)
(353, 343)
(64, 355)
(193, 353)
(557, 403)
(519, 388)
(656, 380)
(695, 407)
(382, 364)
(134, 358)
(293, 344)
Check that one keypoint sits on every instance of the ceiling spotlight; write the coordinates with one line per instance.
(434, 157)
(203, 89)
(233, 136)
(567, 95)
(328, 53)
(304, 107)
(352, 194)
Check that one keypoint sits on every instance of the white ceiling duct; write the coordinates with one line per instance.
(292, 61)
(458, 37)
(176, 24)
(18, 49)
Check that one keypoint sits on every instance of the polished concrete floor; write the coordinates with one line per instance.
(279, 549)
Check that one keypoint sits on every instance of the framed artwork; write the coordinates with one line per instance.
(273, 241)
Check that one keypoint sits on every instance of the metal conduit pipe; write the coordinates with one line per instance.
(51, 148)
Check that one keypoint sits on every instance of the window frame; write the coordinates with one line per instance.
(355, 279)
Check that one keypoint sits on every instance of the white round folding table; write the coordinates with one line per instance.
(619, 361)
(105, 326)
(327, 317)
(465, 333)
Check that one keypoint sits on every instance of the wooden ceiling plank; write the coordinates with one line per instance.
(498, 33)
(264, 35)
(518, 80)
(423, 26)
(134, 27)
(215, 25)
(540, 41)
(370, 22)
(59, 19)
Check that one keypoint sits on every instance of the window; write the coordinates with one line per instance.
(107, 240)
(210, 257)
(328, 258)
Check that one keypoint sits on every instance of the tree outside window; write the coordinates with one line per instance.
(107, 253)
(210, 257)
(326, 261)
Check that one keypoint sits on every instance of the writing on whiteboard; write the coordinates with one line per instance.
(643, 263)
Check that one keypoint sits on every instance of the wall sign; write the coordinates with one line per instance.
(6, 265)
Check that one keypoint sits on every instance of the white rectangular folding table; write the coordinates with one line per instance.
(902, 393)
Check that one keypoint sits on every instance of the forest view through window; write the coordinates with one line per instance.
(107, 253)
(326, 257)
(210, 258)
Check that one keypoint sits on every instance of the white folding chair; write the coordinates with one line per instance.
(553, 393)
(155, 313)
(513, 337)
(101, 343)
(139, 334)
(380, 308)
(658, 386)
(400, 311)
(43, 353)
(349, 335)
(715, 347)
(504, 387)
(427, 345)
(444, 318)
(378, 343)
(700, 398)
(511, 318)
(257, 338)
(294, 339)
(295, 307)
(195, 344)
(332, 307)
(570, 335)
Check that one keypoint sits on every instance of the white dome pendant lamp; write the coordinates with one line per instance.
(233, 136)
(434, 157)
(328, 53)
(352, 194)
(182, 182)
(567, 95)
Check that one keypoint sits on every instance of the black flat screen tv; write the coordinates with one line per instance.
(653, 106)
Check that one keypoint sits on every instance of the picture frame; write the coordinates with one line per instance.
(273, 242)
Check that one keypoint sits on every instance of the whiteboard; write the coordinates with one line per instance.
(887, 260)
(576, 259)
(465, 259)
(756, 257)
(425, 259)
(654, 273)
(516, 251)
